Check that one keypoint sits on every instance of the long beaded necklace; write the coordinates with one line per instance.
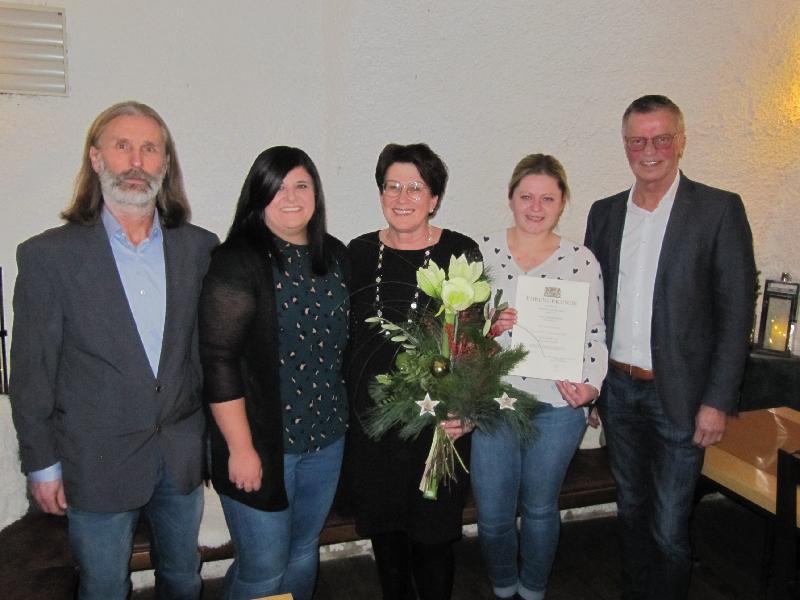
(379, 277)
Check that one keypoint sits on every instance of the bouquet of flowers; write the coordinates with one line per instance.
(447, 368)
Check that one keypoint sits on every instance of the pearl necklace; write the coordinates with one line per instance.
(379, 276)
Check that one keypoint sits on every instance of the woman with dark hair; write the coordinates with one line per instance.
(273, 331)
(510, 478)
(411, 536)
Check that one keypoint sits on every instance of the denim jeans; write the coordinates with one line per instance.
(510, 477)
(278, 552)
(102, 544)
(656, 467)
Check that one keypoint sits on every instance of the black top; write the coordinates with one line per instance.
(240, 358)
(382, 477)
(313, 312)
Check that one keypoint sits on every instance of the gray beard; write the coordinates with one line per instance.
(112, 192)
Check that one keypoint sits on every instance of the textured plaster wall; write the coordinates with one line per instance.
(482, 82)
(13, 502)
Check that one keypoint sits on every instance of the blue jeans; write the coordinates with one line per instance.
(102, 544)
(510, 477)
(278, 552)
(656, 467)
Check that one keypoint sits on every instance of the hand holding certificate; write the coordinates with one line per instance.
(551, 325)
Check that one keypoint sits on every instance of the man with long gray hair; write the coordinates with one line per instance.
(105, 389)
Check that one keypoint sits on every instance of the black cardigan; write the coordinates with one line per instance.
(239, 354)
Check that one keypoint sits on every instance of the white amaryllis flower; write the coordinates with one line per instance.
(430, 280)
(470, 271)
(459, 288)
(482, 291)
(457, 294)
(461, 267)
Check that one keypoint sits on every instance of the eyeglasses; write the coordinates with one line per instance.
(392, 188)
(660, 142)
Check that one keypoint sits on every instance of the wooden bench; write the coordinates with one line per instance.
(588, 483)
(35, 561)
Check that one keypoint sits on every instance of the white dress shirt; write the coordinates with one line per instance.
(641, 247)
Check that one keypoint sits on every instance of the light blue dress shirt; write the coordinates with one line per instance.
(144, 278)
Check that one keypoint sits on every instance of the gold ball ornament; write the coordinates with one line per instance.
(440, 366)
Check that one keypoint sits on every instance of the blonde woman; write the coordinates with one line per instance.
(509, 477)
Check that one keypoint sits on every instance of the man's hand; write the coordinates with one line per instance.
(49, 495)
(709, 426)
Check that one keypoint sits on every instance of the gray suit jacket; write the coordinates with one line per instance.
(703, 297)
(82, 390)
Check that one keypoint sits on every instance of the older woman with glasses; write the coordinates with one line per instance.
(510, 478)
(411, 536)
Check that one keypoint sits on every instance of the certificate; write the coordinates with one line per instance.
(551, 325)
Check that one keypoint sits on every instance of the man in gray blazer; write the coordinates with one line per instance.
(677, 259)
(105, 387)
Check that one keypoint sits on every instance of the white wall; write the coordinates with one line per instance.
(13, 502)
(482, 82)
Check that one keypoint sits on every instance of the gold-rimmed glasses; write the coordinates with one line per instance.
(392, 189)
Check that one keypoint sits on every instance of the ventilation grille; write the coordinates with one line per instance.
(33, 56)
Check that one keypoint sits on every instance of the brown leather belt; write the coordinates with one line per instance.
(632, 371)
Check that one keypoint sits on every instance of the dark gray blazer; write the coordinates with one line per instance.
(82, 390)
(703, 298)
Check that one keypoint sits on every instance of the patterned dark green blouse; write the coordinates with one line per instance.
(313, 313)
